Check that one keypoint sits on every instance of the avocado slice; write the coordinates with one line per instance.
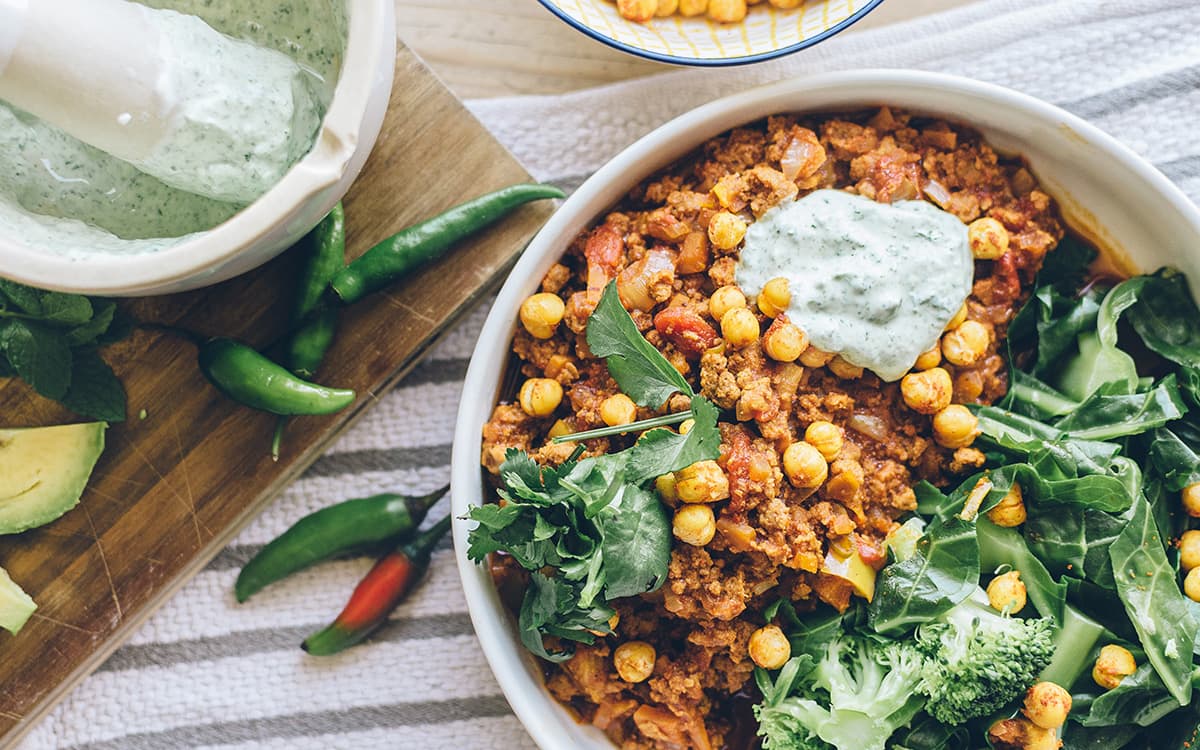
(43, 471)
(15, 605)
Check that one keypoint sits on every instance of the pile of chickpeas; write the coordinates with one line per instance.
(722, 11)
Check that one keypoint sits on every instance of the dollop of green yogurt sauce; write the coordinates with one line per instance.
(60, 195)
(874, 282)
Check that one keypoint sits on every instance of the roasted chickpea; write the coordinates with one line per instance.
(804, 465)
(966, 344)
(988, 238)
(1024, 734)
(692, 7)
(1191, 584)
(955, 426)
(694, 525)
(1047, 705)
(539, 397)
(927, 392)
(637, 10)
(826, 437)
(769, 647)
(784, 343)
(686, 426)
(1191, 500)
(739, 327)
(1114, 664)
(702, 482)
(727, 11)
(666, 489)
(787, 4)
(814, 357)
(541, 313)
(1006, 593)
(634, 661)
(774, 297)
(958, 318)
(726, 230)
(618, 409)
(1189, 549)
(929, 359)
(666, 8)
(559, 428)
(724, 299)
(1010, 511)
(843, 369)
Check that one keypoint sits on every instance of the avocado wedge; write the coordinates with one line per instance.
(43, 471)
(15, 605)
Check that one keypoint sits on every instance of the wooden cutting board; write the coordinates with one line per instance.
(173, 488)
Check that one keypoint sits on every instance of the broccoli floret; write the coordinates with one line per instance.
(977, 659)
(859, 693)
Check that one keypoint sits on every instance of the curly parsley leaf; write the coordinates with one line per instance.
(641, 371)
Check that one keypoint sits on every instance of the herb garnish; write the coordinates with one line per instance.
(597, 522)
(50, 340)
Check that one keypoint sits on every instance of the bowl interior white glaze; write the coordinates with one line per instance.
(273, 222)
(1100, 184)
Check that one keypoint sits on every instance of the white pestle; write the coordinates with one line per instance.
(199, 110)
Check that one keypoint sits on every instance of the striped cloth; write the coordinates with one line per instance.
(205, 672)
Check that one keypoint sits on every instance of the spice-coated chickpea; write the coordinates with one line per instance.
(814, 357)
(927, 392)
(539, 397)
(726, 230)
(739, 327)
(637, 10)
(843, 369)
(826, 437)
(1006, 593)
(958, 319)
(702, 482)
(988, 238)
(784, 343)
(929, 358)
(666, 489)
(634, 661)
(1010, 511)
(666, 8)
(725, 299)
(804, 465)
(774, 297)
(1191, 500)
(955, 426)
(966, 344)
(692, 7)
(618, 409)
(769, 647)
(727, 11)
(787, 4)
(541, 313)
(1022, 733)
(1191, 584)
(1114, 664)
(1047, 705)
(694, 524)
(1189, 549)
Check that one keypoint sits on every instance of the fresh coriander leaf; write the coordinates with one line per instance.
(637, 543)
(943, 572)
(65, 309)
(28, 299)
(641, 371)
(550, 607)
(1147, 585)
(39, 354)
(662, 451)
(95, 390)
(89, 332)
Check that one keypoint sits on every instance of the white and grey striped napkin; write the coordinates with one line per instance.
(205, 672)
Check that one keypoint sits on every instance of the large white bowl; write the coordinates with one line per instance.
(273, 222)
(1102, 186)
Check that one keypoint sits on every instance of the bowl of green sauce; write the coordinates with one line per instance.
(76, 218)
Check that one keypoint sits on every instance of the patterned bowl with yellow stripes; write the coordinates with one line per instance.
(767, 31)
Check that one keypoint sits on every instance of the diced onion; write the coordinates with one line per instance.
(937, 193)
(869, 425)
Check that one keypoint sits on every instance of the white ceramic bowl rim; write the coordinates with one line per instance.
(530, 701)
(324, 165)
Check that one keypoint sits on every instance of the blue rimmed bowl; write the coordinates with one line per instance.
(767, 32)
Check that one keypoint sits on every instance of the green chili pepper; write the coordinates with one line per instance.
(392, 578)
(248, 377)
(353, 525)
(424, 242)
(315, 322)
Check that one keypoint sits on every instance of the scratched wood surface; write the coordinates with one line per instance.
(171, 489)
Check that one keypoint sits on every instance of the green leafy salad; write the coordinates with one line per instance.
(1039, 604)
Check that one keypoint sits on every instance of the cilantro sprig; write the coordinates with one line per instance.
(596, 524)
(50, 340)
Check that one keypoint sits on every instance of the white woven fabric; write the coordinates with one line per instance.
(206, 672)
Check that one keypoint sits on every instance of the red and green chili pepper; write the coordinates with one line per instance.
(350, 526)
(392, 578)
